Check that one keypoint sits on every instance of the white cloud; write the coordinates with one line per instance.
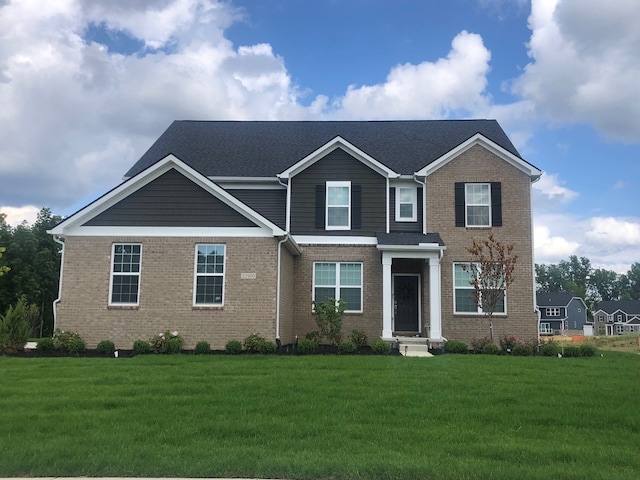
(614, 231)
(551, 248)
(549, 191)
(585, 64)
(16, 215)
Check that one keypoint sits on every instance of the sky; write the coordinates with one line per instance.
(86, 86)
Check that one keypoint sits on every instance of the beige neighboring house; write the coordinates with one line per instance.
(223, 229)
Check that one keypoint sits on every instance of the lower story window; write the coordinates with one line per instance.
(209, 275)
(545, 328)
(342, 281)
(464, 293)
(125, 273)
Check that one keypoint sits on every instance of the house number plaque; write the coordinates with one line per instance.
(248, 276)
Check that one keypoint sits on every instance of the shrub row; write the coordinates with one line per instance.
(511, 346)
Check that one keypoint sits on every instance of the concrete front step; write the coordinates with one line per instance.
(414, 349)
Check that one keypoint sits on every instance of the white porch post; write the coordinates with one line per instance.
(435, 298)
(386, 296)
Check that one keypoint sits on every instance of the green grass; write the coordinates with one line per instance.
(317, 417)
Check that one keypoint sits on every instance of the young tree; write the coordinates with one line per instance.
(491, 268)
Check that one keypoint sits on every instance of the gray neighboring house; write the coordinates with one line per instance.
(561, 312)
(617, 317)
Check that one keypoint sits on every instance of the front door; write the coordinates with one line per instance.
(406, 303)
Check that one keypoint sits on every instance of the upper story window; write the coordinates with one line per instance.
(478, 205)
(553, 312)
(125, 274)
(406, 204)
(209, 275)
(619, 317)
(338, 213)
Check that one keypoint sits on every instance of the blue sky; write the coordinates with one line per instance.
(87, 86)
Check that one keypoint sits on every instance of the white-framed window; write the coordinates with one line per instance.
(545, 328)
(208, 288)
(124, 287)
(601, 318)
(338, 213)
(619, 329)
(464, 300)
(553, 312)
(339, 280)
(619, 317)
(406, 204)
(478, 204)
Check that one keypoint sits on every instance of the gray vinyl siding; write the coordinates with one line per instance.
(338, 166)
(270, 203)
(405, 226)
(171, 200)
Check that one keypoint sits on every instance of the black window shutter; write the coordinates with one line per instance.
(496, 204)
(460, 214)
(320, 206)
(356, 206)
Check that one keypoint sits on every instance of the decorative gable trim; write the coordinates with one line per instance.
(73, 225)
(479, 139)
(338, 142)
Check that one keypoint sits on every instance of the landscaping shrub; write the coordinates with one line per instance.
(455, 346)
(202, 348)
(233, 347)
(306, 347)
(68, 341)
(478, 344)
(141, 347)
(572, 351)
(507, 344)
(522, 350)
(358, 338)
(167, 342)
(106, 347)
(76, 345)
(14, 328)
(347, 348)
(267, 347)
(490, 349)
(315, 336)
(587, 350)
(550, 349)
(329, 319)
(45, 344)
(253, 343)
(380, 347)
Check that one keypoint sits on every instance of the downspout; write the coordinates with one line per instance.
(57, 300)
(284, 239)
(424, 202)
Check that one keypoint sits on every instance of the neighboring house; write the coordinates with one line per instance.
(561, 312)
(223, 229)
(617, 317)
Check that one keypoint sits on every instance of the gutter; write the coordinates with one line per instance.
(58, 240)
(294, 249)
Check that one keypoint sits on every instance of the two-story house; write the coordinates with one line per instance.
(561, 313)
(617, 317)
(223, 229)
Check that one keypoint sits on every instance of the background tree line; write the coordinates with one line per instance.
(32, 258)
(594, 285)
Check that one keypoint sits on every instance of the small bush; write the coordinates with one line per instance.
(507, 344)
(347, 348)
(141, 347)
(587, 350)
(253, 342)
(306, 347)
(173, 345)
(167, 342)
(490, 349)
(478, 344)
(549, 349)
(315, 336)
(358, 338)
(66, 341)
(14, 328)
(455, 346)
(45, 345)
(233, 347)
(106, 347)
(202, 348)
(76, 345)
(267, 347)
(380, 347)
(522, 350)
(572, 351)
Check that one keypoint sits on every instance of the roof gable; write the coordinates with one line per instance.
(630, 307)
(555, 299)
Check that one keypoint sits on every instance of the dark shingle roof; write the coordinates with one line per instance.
(630, 307)
(264, 149)
(408, 238)
(554, 299)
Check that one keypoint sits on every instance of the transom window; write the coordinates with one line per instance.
(464, 293)
(342, 281)
(338, 212)
(406, 204)
(553, 312)
(125, 274)
(209, 275)
(478, 204)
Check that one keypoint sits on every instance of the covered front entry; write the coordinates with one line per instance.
(406, 303)
(401, 289)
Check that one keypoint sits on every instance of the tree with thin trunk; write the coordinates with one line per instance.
(491, 269)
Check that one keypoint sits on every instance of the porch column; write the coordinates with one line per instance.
(435, 299)
(387, 306)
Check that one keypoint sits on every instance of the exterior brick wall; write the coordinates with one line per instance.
(479, 165)
(287, 283)
(166, 292)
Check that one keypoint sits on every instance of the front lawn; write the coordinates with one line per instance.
(318, 417)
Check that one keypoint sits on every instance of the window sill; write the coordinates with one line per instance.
(123, 307)
(207, 307)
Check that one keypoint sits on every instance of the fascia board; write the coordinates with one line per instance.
(338, 142)
(479, 139)
(147, 176)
